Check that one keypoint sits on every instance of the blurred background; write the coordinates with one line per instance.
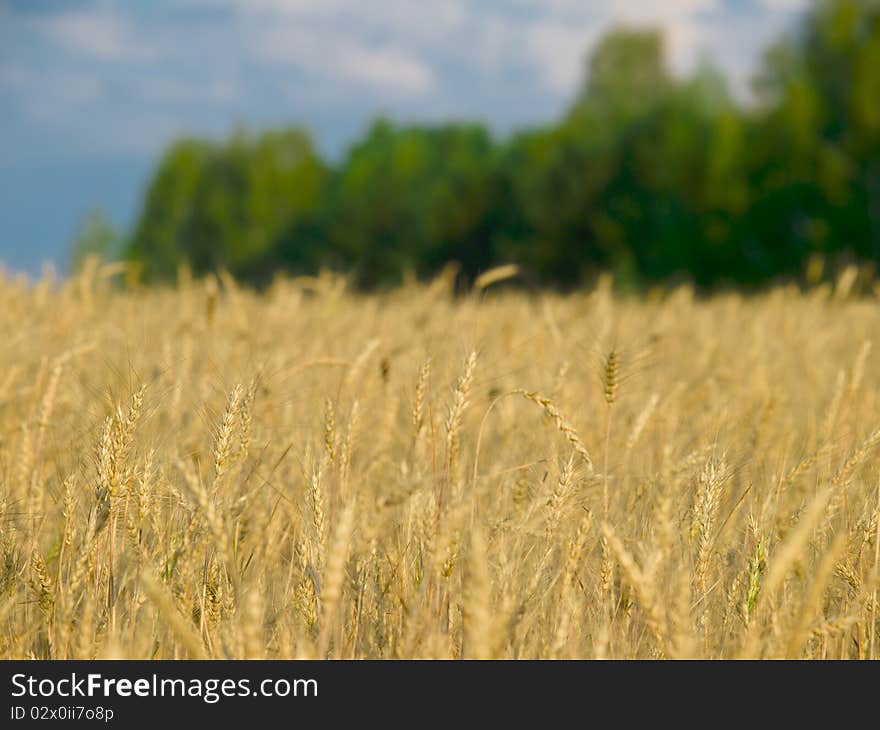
(718, 141)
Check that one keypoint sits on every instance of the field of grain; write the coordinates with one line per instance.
(204, 471)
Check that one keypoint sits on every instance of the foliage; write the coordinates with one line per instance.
(649, 175)
(225, 207)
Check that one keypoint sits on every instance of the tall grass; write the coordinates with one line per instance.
(308, 472)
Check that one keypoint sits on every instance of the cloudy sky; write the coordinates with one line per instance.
(92, 90)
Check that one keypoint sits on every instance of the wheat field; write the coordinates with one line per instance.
(308, 472)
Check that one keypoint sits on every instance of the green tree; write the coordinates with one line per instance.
(410, 199)
(250, 193)
(561, 177)
(650, 175)
(159, 242)
(216, 207)
(816, 161)
(626, 75)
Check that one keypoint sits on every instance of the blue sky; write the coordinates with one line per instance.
(91, 91)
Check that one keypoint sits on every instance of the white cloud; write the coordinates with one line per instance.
(558, 51)
(98, 34)
(211, 63)
(386, 44)
(406, 48)
(337, 56)
(387, 67)
(786, 5)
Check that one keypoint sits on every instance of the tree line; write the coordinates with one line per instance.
(648, 175)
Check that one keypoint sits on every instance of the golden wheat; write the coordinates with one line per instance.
(205, 471)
